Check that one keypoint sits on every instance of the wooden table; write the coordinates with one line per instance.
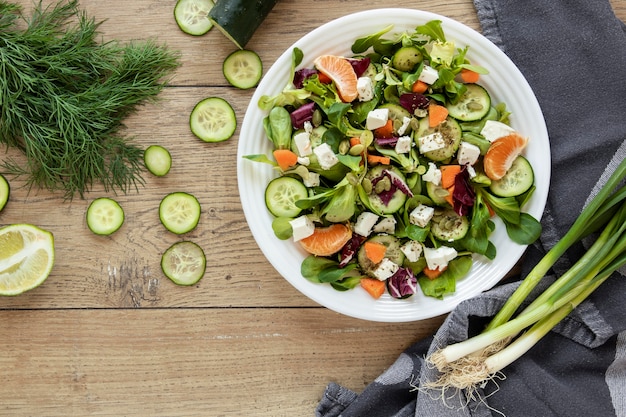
(107, 334)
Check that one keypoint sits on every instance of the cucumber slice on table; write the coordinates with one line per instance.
(243, 69)
(184, 263)
(213, 120)
(5, 191)
(474, 104)
(192, 16)
(281, 195)
(179, 212)
(517, 180)
(157, 159)
(104, 216)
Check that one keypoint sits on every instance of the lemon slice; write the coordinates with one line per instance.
(26, 257)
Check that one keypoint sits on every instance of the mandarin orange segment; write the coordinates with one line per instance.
(340, 71)
(502, 153)
(326, 241)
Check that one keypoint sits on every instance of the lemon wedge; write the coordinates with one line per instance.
(26, 257)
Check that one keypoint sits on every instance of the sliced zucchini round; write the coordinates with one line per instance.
(5, 191)
(474, 104)
(184, 263)
(157, 159)
(192, 16)
(281, 195)
(104, 216)
(243, 69)
(448, 226)
(213, 120)
(179, 212)
(517, 180)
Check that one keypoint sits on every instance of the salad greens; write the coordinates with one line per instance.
(383, 166)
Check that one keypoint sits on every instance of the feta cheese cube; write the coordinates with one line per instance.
(385, 269)
(403, 145)
(406, 121)
(304, 160)
(432, 142)
(433, 174)
(412, 250)
(365, 88)
(421, 215)
(428, 75)
(312, 179)
(385, 225)
(325, 156)
(302, 227)
(376, 118)
(303, 143)
(494, 130)
(364, 223)
(438, 258)
(308, 127)
(471, 171)
(468, 153)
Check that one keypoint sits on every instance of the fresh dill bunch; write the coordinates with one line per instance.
(64, 97)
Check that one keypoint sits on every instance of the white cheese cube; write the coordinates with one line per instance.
(302, 227)
(325, 156)
(421, 215)
(303, 143)
(494, 130)
(365, 88)
(412, 250)
(428, 75)
(468, 153)
(304, 160)
(308, 127)
(376, 118)
(432, 142)
(403, 145)
(312, 179)
(385, 225)
(433, 174)
(364, 223)
(439, 258)
(405, 125)
(471, 171)
(385, 269)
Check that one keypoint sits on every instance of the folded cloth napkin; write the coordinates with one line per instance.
(573, 54)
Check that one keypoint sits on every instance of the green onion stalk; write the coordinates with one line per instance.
(470, 363)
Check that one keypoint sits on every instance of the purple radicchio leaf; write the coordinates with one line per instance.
(413, 101)
(391, 141)
(302, 114)
(302, 74)
(402, 284)
(396, 184)
(359, 65)
(350, 248)
(463, 195)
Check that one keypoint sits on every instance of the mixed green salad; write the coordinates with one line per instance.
(389, 190)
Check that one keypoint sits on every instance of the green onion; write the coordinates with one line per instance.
(469, 363)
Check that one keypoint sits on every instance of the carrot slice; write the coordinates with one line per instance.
(385, 131)
(436, 114)
(374, 287)
(433, 273)
(448, 174)
(285, 158)
(419, 87)
(375, 251)
(469, 77)
(355, 141)
(377, 159)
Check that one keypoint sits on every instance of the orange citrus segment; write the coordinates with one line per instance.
(502, 153)
(340, 71)
(326, 241)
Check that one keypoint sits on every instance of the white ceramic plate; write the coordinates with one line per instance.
(504, 82)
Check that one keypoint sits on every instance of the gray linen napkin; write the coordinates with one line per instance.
(573, 53)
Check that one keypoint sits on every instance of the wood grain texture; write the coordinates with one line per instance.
(108, 335)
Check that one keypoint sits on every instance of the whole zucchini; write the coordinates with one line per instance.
(239, 19)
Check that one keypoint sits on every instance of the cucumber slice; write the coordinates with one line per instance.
(474, 104)
(393, 252)
(397, 199)
(451, 132)
(192, 16)
(437, 193)
(179, 212)
(104, 216)
(281, 195)
(243, 69)
(448, 226)
(517, 180)
(184, 263)
(406, 58)
(213, 120)
(5, 191)
(157, 159)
